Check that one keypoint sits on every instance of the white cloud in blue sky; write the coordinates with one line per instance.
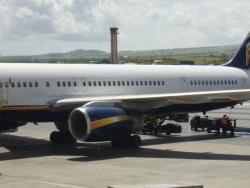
(41, 26)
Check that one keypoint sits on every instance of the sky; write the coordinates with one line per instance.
(46, 26)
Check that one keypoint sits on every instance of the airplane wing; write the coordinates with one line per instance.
(175, 98)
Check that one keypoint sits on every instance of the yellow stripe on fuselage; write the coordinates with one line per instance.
(108, 121)
(20, 108)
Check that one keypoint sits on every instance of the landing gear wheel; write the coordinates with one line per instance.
(62, 126)
(126, 142)
(135, 141)
(117, 143)
(60, 138)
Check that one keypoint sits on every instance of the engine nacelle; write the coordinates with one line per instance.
(102, 123)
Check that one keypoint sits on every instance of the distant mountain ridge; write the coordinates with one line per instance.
(80, 53)
(74, 53)
(77, 53)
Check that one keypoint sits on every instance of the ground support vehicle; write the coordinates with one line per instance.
(213, 124)
(160, 126)
(171, 127)
(198, 122)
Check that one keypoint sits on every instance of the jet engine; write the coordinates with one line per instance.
(102, 123)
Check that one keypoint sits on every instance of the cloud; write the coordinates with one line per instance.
(143, 24)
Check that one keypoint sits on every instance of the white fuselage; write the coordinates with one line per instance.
(38, 84)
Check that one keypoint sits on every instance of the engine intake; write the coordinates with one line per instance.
(79, 124)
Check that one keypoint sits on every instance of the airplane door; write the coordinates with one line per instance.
(184, 84)
(244, 83)
(4, 93)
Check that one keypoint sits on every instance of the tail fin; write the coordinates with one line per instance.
(241, 59)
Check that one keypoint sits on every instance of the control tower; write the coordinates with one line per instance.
(113, 31)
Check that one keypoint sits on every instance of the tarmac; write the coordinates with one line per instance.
(189, 159)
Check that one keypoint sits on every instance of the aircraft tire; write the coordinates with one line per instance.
(135, 141)
(126, 142)
(62, 126)
(60, 138)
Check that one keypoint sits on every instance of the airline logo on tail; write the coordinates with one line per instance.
(248, 55)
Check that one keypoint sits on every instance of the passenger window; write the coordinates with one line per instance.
(6, 84)
(118, 83)
(203, 82)
(214, 82)
(75, 84)
(89, 83)
(109, 83)
(146, 83)
(195, 83)
(64, 84)
(229, 82)
(128, 83)
(149, 83)
(36, 84)
(58, 84)
(1, 85)
(94, 83)
(191, 82)
(114, 83)
(24, 84)
(141, 83)
(162, 83)
(47, 84)
(100, 83)
(12, 84)
(211, 83)
(132, 83)
(83, 84)
(123, 83)
(30, 84)
(104, 83)
(159, 83)
(18, 84)
(137, 83)
(225, 82)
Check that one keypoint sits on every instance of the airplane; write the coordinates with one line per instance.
(105, 102)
